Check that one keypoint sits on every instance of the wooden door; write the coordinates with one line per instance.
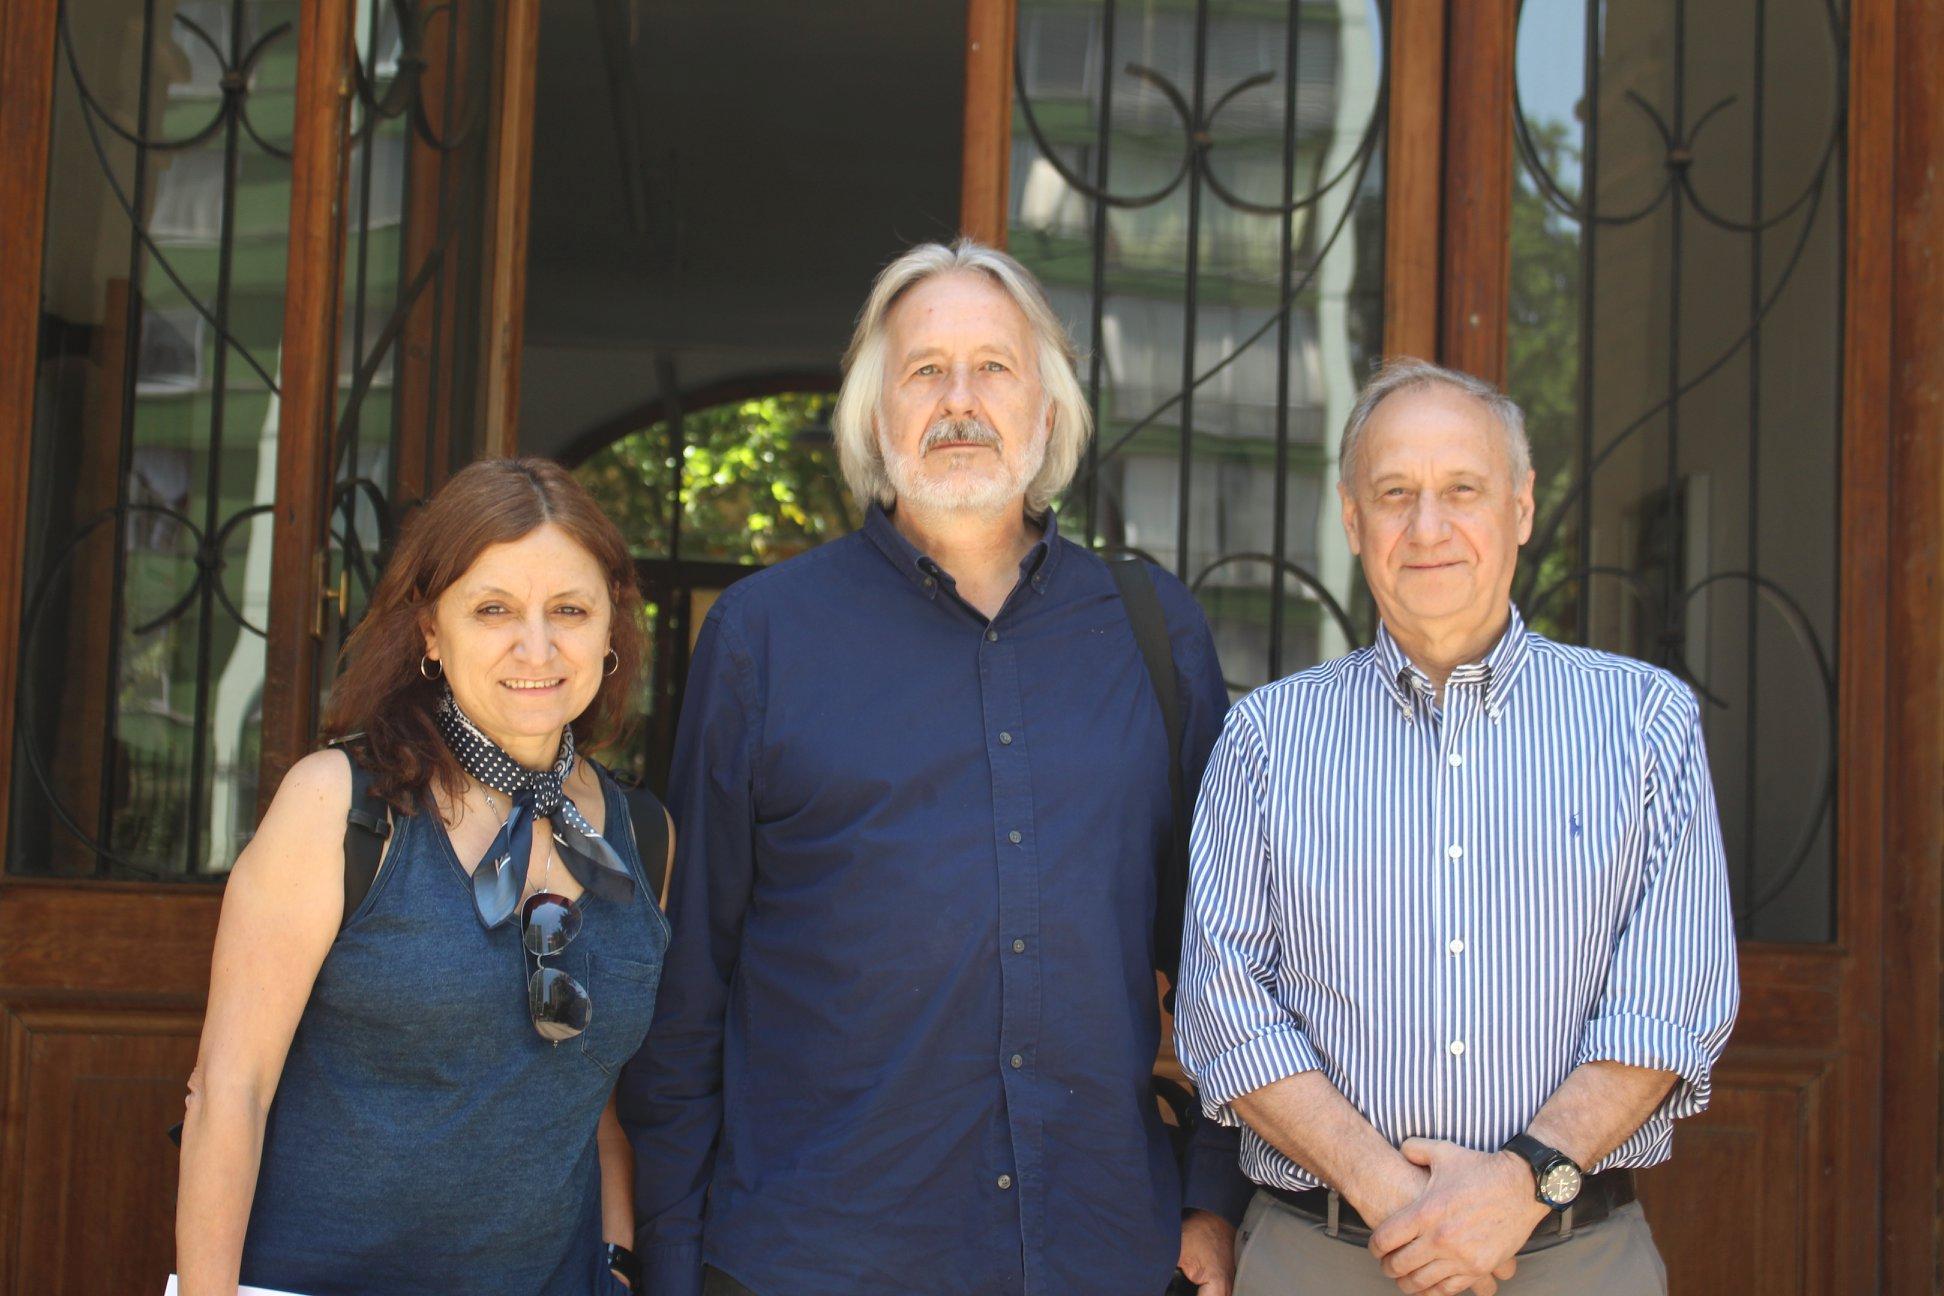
(1665, 233)
(1668, 230)
(267, 238)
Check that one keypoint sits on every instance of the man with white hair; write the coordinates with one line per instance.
(922, 789)
(1459, 947)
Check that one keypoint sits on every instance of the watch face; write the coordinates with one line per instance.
(1560, 1184)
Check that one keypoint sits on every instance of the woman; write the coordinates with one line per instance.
(405, 1099)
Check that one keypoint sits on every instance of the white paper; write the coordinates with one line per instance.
(172, 1290)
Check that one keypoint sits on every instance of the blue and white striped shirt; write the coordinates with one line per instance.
(1447, 908)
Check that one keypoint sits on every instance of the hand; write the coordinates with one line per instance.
(1207, 1252)
(1466, 1227)
(1395, 1184)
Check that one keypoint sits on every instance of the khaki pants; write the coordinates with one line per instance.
(1282, 1253)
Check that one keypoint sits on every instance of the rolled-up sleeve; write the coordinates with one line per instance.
(669, 1096)
(1672, 991)
(1231, 1032)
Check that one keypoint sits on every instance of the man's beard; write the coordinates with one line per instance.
(963, 492)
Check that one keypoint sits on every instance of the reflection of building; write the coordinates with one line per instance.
(1274, 207)
(417, 234)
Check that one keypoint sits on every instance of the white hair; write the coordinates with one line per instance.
(860, 399)
(1407, 373)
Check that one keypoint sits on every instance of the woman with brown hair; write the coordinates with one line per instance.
(413, 1096)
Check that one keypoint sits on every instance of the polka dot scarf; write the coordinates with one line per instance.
(500, 876)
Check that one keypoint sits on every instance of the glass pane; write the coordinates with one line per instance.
(147, 573)
(759, 482)
(1676, 338)
(414, 277)
(1204, 199)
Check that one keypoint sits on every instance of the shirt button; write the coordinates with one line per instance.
(992, 636)
(1455, 851)
(1457, 1048)
(931, 583)
(1014, 837)
(1005, 740)
(1017, 1061)
(1456, 760)
(1005, 1181)
(1456, 947)
(1019, 947)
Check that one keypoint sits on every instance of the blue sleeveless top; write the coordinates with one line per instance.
(424, 1139)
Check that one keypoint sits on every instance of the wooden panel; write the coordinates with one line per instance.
(1478, 185)
(27, 72)
(990, 30)
(1753, 1157)
(107, 938)
(1414, 159)
(74, 749)
(307, 408)
(425, 343)
(1912, 941)
(509, 173)
(1854, 1152)
(90, 1093)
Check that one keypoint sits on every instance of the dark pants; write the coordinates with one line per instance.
(717, 1283)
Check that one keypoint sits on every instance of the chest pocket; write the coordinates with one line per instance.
(623, 994)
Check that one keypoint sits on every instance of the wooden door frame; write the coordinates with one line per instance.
(314, 279)
(27, 36)
(1913, 894)
(312, 309)
(985, 171)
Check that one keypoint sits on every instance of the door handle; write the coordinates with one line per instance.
(339, 594)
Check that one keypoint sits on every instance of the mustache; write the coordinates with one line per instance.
(950, 431)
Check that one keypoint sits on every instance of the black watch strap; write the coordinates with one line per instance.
(625, 1263)
(1542, 1158)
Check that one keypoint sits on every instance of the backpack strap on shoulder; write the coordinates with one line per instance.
(367, 827)
(650, 825)
(1150, 624)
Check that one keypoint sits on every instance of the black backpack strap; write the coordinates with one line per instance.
(1157, 653)
(650, 825)
(367, 826)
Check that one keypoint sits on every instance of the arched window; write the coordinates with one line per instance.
(706, 496)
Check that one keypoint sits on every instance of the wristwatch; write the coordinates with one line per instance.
(625, 1265)
(1556, 1177)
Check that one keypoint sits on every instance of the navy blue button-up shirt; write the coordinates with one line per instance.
(906, 1024)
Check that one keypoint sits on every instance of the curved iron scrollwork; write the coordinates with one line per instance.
(209, 562)
(1198, 138)
(1667, 600)
(386, 74)
(1199, 120)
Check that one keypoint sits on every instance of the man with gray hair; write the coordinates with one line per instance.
(1459, 948)
(922, 788)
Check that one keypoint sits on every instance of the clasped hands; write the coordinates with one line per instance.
(1452, 1219)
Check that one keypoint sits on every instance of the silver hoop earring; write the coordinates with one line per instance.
(614, 665)
(426, 660)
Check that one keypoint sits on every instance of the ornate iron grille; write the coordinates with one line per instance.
(1200, 187)
(1677, 342)
(154, 464)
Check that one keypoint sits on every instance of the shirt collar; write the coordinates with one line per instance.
(1036, 568)
(1498, 672)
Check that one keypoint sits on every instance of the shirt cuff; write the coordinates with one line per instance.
(1275, 1054)
(672, 1268)
(1659, 1046)
(1213, 1180)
